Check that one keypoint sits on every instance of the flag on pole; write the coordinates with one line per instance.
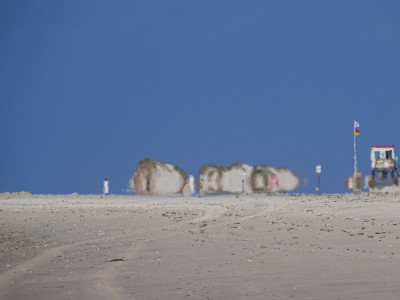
(356, 126)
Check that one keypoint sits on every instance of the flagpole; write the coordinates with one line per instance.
(355, 150)
(355, 154)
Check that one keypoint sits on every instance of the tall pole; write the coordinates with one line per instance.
(355, 150)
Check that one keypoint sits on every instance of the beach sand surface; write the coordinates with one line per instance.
(258, 246)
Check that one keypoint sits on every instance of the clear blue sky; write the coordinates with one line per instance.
(89, 88)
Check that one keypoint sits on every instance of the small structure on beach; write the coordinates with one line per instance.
(243, 178)
(384, 176)
(157, 178)
(384, 167)
(224, 179)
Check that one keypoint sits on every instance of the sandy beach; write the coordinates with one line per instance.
(283, 246)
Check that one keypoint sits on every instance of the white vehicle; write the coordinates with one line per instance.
(383, 163)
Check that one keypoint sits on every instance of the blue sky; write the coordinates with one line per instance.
(89, 88)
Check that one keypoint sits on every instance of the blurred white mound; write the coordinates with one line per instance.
(157, 178)
(287, 181)
(220, 179)
(242, 178)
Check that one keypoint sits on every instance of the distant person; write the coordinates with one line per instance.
(191, 183)
(148, 184)
(105, 186)
(243, 174)
(274, 182)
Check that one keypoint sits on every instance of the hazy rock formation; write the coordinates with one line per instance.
(220, 179)
(157, 178)
(286, 180)
(240, 178)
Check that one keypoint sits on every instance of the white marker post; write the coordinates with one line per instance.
(318, 170)
(106, 186)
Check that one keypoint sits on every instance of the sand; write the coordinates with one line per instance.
(227, 247)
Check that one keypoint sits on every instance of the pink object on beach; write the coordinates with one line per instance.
(274, 182)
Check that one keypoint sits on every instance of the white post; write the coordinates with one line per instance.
(318, 170)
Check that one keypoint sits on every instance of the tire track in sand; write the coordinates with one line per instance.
(110, 277)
